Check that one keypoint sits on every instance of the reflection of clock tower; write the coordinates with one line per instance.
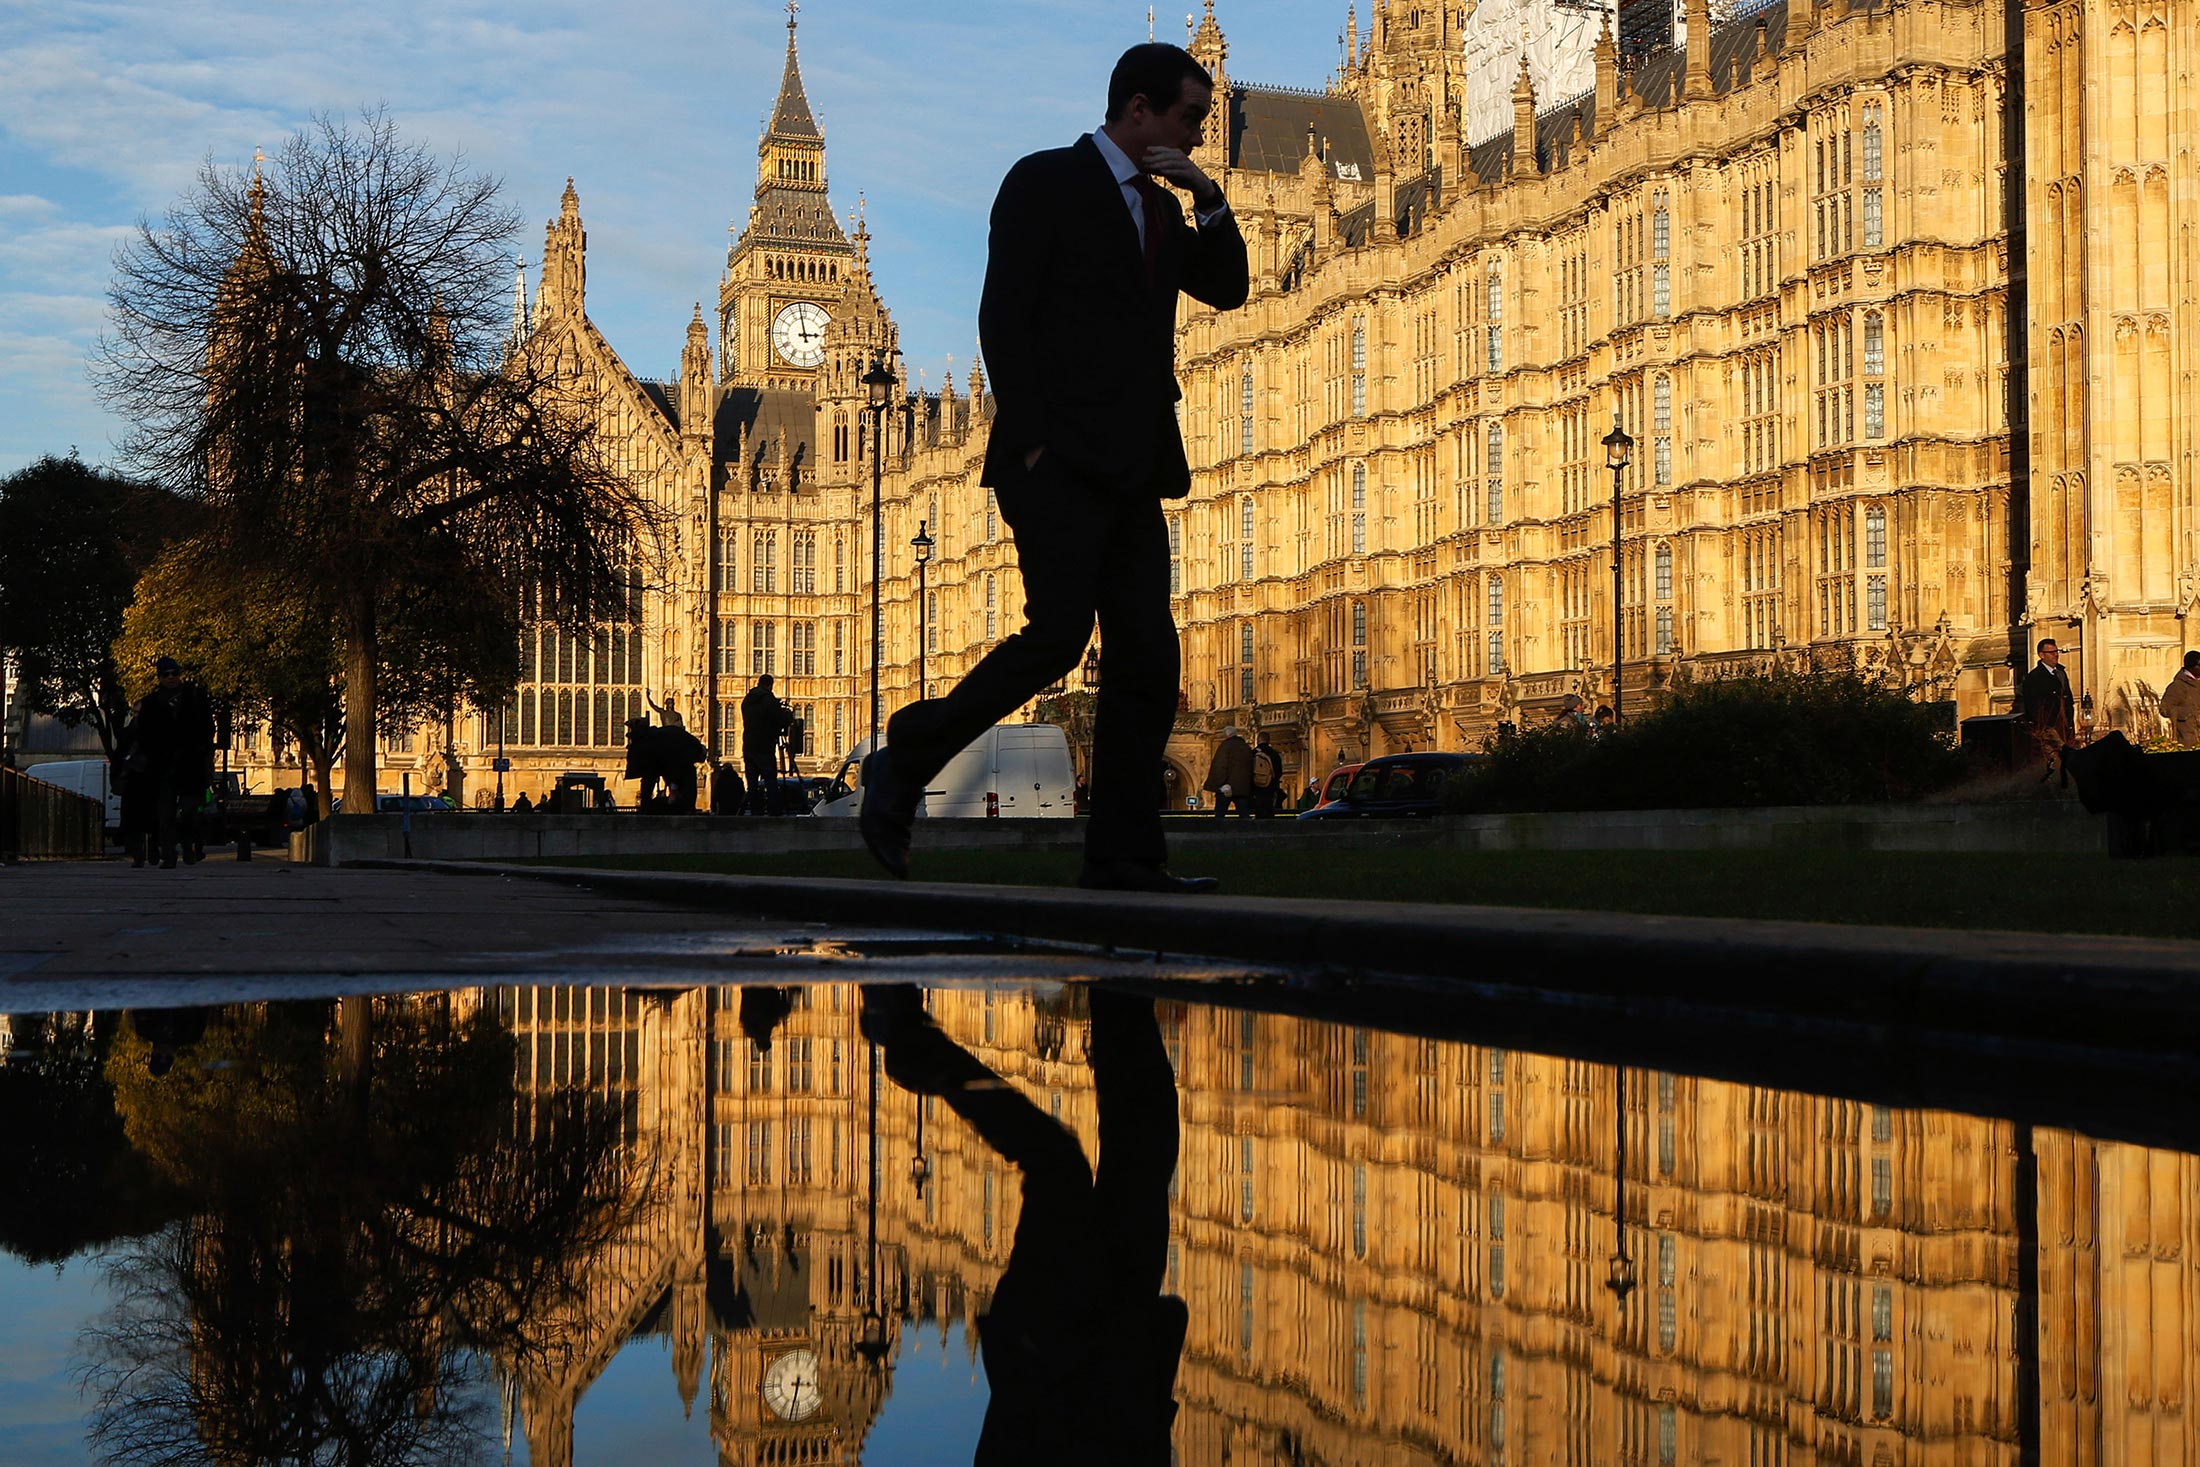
(787, 270)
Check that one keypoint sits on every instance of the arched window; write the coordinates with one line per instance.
(762, 555)
(729, 543)
(1661, 403)
(1495, 469)
(1245, 663)
(1663, 587)
(1359, 509)
(1495, 329)
(1176, 555)
(1245, 410)
(1875, 344)
(1245, 538)
(840, 562)
(1359, 368)
(992, 517)
(1661, 253)
(992, 610)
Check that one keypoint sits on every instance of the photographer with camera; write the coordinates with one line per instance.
(764, 719)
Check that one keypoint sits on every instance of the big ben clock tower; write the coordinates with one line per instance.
(790, 265)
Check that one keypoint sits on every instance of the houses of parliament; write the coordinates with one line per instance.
(1393, 1248)
(1896, 301)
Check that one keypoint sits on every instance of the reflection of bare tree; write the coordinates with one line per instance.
(368, 1226)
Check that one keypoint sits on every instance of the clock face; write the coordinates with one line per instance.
(798, 334)
(790, 1386)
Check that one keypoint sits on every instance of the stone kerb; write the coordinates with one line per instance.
(2022, 827)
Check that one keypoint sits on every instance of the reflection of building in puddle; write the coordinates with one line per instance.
(1392, 1240)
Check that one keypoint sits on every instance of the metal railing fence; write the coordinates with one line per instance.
(43, 822)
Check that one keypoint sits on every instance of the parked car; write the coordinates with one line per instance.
(1394, 787)
(1011, 770)
(404, 804)
(1333, 787)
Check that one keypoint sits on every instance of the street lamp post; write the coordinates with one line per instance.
(879, 382)
(922, 543)
(1618, 450)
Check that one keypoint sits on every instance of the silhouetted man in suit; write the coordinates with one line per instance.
(1078, 323)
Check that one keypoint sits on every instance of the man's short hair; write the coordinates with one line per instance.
(1155, 71)
(2192, 660)
(2045, 643)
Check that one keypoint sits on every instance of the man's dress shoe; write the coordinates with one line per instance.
(1141, 876)
(889, 809)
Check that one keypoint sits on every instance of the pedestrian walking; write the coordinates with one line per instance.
(523, 805)
(763, 719)
(2048, 708)
(2181, 703)
(1267, 779)
(1077, 322)
(1230, 774)
(175, 731)
(133, 776)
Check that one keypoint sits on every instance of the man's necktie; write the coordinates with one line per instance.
(1152, 200)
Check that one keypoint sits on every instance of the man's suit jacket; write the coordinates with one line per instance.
(2047, 703)
(1080, 348)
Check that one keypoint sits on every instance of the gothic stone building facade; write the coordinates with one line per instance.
(1896, 299)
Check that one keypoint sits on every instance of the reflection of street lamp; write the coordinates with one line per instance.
(880, 384)
(920, 1166)
(1621, 1277)
(1618, 449)
(922, 543)
(871, 1337)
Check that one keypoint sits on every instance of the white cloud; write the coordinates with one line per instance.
(107, 107)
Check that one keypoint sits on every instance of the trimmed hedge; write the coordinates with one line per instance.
(1783, 739)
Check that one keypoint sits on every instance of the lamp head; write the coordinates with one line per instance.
(878, 382)
(923, 544)
(1619, 448)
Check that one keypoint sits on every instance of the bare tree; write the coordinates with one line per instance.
(319, 353)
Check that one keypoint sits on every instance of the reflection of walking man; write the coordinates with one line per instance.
(1080, 1344)
(1078, 325)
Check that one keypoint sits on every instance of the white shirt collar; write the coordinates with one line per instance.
(1118, 161)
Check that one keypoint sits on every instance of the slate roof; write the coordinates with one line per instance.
(791, 115)
(1657, 79)
(766, 415)
(667, 399)
(1268, 130)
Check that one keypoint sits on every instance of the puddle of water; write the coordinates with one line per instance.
(834, 1221)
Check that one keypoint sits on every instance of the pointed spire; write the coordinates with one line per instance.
(791, 114)
(569, 203)
(1525, 158)
(1697, 82)
(977, 375)
(521, 327)
(1607, 63)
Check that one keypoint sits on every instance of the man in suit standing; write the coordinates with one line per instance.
(2047, 703)
(1078, 323)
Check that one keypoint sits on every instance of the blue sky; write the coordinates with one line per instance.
(108, 106)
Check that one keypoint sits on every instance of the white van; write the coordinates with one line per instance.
(1012, 771)
(91, 778)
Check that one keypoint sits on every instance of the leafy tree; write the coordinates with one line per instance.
(269, 648)
(321, 357)
(73, 539)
